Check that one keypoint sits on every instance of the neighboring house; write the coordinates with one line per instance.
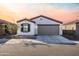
(40, 25)
(72, 26)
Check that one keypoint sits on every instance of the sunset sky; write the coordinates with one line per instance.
(61, 11)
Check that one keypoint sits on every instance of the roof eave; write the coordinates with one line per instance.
(47, 18)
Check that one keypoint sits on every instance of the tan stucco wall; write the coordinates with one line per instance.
(69, 26)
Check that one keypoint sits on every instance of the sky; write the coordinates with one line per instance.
(64, 12)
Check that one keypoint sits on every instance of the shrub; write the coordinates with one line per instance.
(69, 32)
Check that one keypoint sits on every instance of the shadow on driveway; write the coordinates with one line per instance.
(4, 39)
(57, 39)
(46, 39)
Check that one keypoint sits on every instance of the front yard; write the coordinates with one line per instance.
(39, 50)
(41, 46)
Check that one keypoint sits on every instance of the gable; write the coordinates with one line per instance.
(43, 20)
(24, 21)
(40, 20)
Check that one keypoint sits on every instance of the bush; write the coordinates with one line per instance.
(8, 28)
(69, 32)
(12, 28)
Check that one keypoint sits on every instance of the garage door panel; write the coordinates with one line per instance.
(48, 30)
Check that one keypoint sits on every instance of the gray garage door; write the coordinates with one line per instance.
(48, 29)
(77, 29)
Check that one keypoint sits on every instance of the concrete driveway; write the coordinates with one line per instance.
(57, 39)
(54, 39)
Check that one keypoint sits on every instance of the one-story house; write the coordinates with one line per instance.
(39, 25)
(72, 26)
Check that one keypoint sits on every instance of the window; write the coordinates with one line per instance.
(25, 27)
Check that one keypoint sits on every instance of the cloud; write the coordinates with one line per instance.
(21, 10)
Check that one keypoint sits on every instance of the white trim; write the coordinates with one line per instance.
(32, 28)
(60, 30)
(42, 20)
